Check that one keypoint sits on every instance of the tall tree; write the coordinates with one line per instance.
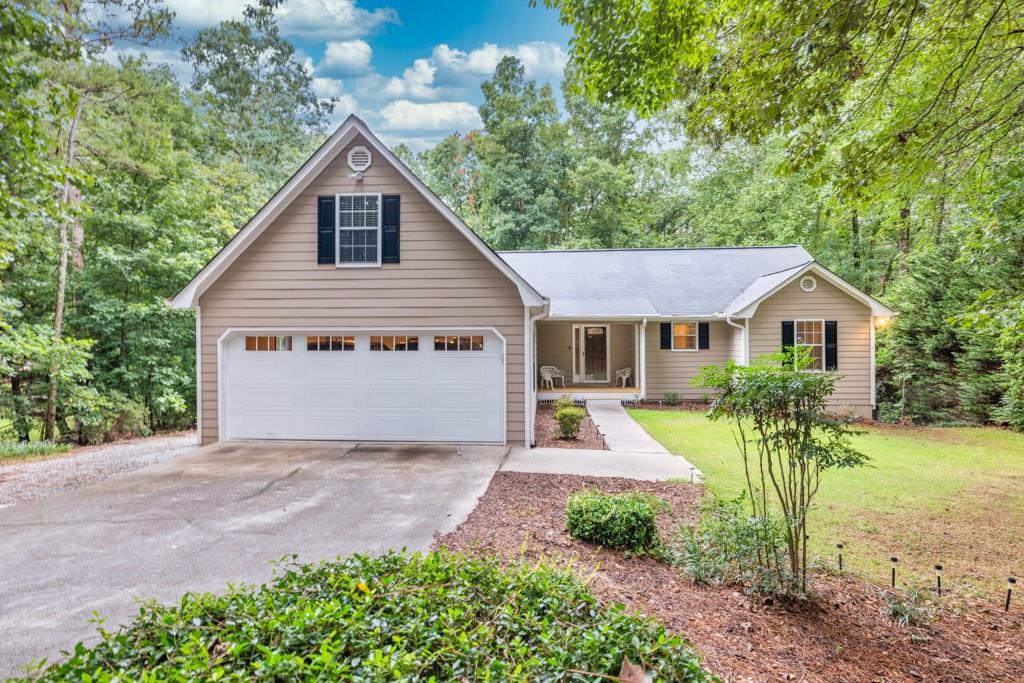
(256, 91)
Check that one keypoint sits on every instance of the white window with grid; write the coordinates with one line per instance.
(358, 229)
(810, 340)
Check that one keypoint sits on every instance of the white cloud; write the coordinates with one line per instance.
(541, 59)
(154, 55)
(198, 13)
(328, 87)
(331, 19)
(416, 83)
(310, 19)
(403, 115)
(345, 58)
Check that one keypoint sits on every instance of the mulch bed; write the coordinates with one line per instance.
(547, 434)
(840, 635)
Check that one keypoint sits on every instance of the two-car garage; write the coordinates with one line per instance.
(442, 385)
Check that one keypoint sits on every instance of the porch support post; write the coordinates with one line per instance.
(641, 353)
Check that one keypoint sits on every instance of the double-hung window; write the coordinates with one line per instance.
(358, 229)
(809, 339)
(684, 336)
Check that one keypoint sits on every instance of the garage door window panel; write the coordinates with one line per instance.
(459, 343)
(267, 343)
(394, 343)
(358, 229)
(331, 343)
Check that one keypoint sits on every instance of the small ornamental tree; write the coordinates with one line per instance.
(787, 440)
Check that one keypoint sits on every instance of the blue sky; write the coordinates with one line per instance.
(411, 69)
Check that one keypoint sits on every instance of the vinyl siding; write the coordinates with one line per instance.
(674, 370)
(442, 281)
(554, 347)
(826, 302)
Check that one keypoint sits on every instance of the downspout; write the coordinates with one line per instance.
(530, 352)
(743, 330)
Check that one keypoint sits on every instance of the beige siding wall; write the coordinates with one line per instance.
(554, 347)
(442, 281)
(673, 370)
(826, 302)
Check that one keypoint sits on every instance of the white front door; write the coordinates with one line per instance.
(591, 354)
(411, 385)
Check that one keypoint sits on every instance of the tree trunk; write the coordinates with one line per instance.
(855, 248)
(903, 246)
(70, 198)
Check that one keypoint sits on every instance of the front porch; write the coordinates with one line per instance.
(592, 357)
(583, 392)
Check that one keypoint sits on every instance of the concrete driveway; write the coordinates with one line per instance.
(218, 515)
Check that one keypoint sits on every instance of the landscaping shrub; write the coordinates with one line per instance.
(729, 546)
(17, 450)
(564, 402)
(569, 421)
(914, 609)
(622, 521)
(672, 398)
(102, 418)
(403, 617)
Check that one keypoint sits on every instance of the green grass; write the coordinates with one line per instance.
(12, 450)
(953, 496)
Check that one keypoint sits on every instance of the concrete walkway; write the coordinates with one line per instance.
(620, 431)
(632, 454)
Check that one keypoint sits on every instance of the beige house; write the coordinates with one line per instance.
(357, 306)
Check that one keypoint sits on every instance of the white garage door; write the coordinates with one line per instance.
(437, 385)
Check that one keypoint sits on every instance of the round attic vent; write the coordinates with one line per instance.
(808, 283)
(359, 159)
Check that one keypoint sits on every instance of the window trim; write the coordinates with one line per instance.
(797, 344)
(338, 229)
(696, 336)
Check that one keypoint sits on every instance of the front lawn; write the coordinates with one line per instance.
(953, 496)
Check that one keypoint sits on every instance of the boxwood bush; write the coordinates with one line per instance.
(397, 617)
(622, 521)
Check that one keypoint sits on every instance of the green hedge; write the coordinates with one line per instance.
(623, 521)
(397, 617)
(21, 450)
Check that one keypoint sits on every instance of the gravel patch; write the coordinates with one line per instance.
(24, 481)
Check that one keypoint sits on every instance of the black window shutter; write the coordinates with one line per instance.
(788, 335)
(325, 229)
(666, 336)
(390, 226)
(703, 335)
(831, 345)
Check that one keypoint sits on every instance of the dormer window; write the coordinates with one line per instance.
(358, 229)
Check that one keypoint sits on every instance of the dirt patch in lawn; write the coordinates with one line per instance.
(841, 635)
(547, 434)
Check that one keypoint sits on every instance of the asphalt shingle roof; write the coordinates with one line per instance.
(654, 282)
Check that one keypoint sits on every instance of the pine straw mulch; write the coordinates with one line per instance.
(546, 432)
(841, 635)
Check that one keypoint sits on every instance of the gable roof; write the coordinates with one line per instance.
(745, 305)
(709, 282)
(349, 129)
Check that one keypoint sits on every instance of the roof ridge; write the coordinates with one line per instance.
(607, 249)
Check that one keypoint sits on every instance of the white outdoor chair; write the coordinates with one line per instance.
(548, 375)
(624, 375)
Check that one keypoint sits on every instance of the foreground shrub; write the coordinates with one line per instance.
(672, 398)
(396, 617)
(727, 545)
(17, 450)
(622, 521)
(569, 421)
